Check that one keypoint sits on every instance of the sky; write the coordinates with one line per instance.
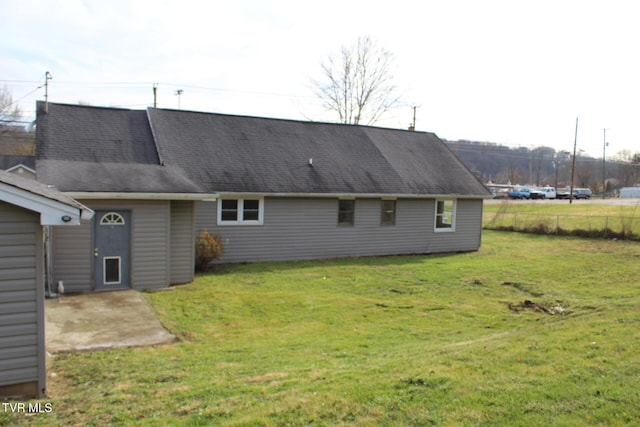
(517, 73)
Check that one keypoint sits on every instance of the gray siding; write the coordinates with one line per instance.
(150, 239)
(306, 228)
(72, 257)
(21, 299)
(182, 242)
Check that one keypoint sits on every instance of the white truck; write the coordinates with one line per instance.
(549, 192)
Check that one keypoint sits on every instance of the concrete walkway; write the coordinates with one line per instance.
(103, 320)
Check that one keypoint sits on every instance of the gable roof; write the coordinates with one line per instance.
(239, 154)
(8, 162)
(252, 154)
(52, 205)
(96, 149)
(94, 134)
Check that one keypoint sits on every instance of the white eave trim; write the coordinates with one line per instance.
(21, 166)
(95, 195)
(52, 212)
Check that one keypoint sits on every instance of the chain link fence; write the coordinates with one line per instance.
(608, 227)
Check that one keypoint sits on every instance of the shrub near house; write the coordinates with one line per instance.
(208, 248)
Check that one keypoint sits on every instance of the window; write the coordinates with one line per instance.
(445, 215)
(229, 210)
(112, 218)
(111, 270)
(251, 210)
(388, 212)
(240, 211)
(346, 211)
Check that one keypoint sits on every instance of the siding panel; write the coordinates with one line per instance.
(21, 320)
(182, 242)
(150, 246)
(306, 228)
(72, 257)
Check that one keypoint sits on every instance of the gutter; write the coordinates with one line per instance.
(354, 195)
(94, 195)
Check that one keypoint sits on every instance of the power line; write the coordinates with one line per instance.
(18, 100)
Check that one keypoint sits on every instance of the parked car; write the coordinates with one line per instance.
(526, 193)
(581, 193)
(549, 192)
(500, 193)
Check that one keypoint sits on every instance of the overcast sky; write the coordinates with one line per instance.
(510, 72)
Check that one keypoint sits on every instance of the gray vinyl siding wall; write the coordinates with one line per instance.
(21, 300)
(306, 228)
(182, 242)
(150, 239)
(72, 257)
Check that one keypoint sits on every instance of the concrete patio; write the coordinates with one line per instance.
(104, 320)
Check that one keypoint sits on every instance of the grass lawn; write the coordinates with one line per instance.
(587, 215)
(530, 330)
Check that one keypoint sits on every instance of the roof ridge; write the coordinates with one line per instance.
(154, 137)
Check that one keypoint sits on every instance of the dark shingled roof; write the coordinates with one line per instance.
(226, 153)
(9, 161)
(94, 149)
(94, 134)
(251, 154)
(69, 175)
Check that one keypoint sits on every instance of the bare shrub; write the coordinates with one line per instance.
(208, 248)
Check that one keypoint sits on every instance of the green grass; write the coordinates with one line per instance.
(585, 218)
(435, 340)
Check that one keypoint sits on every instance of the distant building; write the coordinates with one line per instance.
(630, 192)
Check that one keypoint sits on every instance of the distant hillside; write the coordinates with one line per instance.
(17, 142)
(541, 166)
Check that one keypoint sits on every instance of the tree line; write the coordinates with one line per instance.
(541, 166)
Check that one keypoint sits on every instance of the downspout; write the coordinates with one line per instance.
(48, 267)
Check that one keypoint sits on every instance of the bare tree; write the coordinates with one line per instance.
(8, 111)
(358, 84)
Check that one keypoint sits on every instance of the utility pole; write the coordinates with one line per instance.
(412, 126)
(47, 77)
(155, 95)
(604, 164)
(179, 93)
(573, 163)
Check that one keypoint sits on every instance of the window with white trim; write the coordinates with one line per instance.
(240, 211)
(445, 217)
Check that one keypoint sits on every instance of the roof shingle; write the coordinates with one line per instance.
(122, 150)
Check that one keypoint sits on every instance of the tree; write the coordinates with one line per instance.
(8, 111)
(14, 140)
(358, 83)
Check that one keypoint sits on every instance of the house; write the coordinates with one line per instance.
(630, 192)
(19, 165)
(142, 235)
(25, 207)
(272, 189)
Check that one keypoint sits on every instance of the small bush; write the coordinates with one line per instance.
(208, 248)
